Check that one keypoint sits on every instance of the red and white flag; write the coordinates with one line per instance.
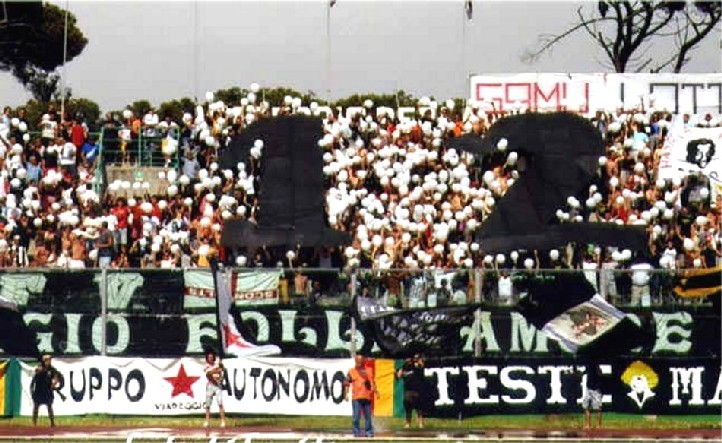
(232, 342)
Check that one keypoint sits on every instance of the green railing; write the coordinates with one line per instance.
(145, 150)
(151, 148)
(416, 288)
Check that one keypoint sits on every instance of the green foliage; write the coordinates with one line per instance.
(276, 96)
(39, 45)
(140, 107)
(34, 110)
(41, 84)
(87, 109)
(176, 108)
(400, 98)
(231, 96)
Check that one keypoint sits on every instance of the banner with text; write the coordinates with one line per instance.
(327, 333)
(108, 385)
(249, 288)
(160, 387)
(677, 93)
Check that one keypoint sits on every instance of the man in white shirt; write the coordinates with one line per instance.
(505, 288)
(67, 158)
(640, 283)
(671, 253)
(48, 128)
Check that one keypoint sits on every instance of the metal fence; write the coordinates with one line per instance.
(401, 288)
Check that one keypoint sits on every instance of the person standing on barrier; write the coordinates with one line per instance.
(45, 380)
(412, 373)
(363, 387)
(214, 371)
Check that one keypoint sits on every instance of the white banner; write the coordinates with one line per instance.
(587, 93)
(689, 150)
(255, 287)
(278, 386)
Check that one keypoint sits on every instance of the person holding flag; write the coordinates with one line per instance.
(214, 371)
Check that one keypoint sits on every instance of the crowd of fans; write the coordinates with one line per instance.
(406, 198)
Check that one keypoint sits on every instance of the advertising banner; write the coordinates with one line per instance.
(677, 93)
(523, 386)
(107, 385)
(137, 386)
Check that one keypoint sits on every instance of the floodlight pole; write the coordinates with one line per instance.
(464, 19)
(328, 51)
(65, 57)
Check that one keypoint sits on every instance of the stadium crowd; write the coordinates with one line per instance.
(408, 200)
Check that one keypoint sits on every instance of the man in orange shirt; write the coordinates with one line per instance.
(363, 386)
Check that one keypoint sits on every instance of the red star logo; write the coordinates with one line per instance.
(182, 383)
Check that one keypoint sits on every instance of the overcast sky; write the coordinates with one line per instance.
(159, 50)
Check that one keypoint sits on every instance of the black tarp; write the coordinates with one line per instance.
(560, 154)
(291, 194)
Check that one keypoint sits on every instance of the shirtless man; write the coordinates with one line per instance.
(77, 252)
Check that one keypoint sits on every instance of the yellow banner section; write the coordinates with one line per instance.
(699, 282)
(384, 405)
(3, 367)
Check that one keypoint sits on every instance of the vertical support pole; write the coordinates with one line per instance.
(478, 282)
(104, 311)
(353, 320)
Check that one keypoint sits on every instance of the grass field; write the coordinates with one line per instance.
(334, 424)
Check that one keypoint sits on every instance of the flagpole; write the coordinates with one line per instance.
(195, 51)
(464, 19)
(219, 329)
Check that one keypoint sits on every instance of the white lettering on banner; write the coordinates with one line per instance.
(486, 333)
(258, 296)
(45, 339)
(177, 386)
(585, 93)
(717, 397)
(478, 384)
(673, 332)
(288, 329)
(120, 288)
(334, 341)
(517, 384)
(527, 332)
(690, 382)
(199, 326)
(122, 333)
(555, 382)
(261, 322)
(442, 383)
(73, 330)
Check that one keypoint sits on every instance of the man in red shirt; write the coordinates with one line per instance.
(121, 211)
(77, 134)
